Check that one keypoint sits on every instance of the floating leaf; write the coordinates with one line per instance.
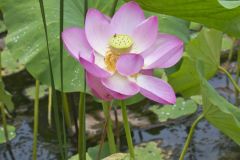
(76, 157)
(6, 98)
(30, 91)
(219, 112)
(93, 151)
(2, 27)
(149, 151)
(181, 108)
(197, 99)
(11, 133)
(116, 156)
(227, 43)
(229, 4)
(205, 47)
(173, 25)
(9, 64)
(207, 12)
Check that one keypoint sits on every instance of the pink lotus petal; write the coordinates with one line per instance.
(93, 68)
(117, 95)
(156, 89)
(145, 34)
(129, 64)
(148, 72)
(98, 30)
(121, 84)
(127, 18)
(164, 53)
(97, 88)
(75, 42)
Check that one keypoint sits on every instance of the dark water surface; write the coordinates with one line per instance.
(207, 143)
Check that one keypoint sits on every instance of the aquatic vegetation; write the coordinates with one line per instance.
(164, 59)
(116, 52)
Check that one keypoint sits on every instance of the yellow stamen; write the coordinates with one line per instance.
(111, 60)
(118, 44)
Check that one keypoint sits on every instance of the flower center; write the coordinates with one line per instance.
(121, 43)
(118, 44)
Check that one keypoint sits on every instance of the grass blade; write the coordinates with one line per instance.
(61, 20)
(82, 111)
(54, 94)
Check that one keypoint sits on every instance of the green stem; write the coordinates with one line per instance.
(127, 130)
(81, 129)
(66, 111)
(61, 19)
(61, 42)
(230, 77)
(114, 5)
(50, 106)
(189, 138)
(237, 78)
(0, 64)
(4, 122)
(82, 111)
(35, 130)
(111, 140)
(54, 95)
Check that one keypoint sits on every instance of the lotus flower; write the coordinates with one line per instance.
(120, 53)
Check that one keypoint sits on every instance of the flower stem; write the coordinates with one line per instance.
(66, 108)
(230, 77)
(61, 20)
(50, 106)
(81, 129)
(54, 94)
(237, 78)
(111, 140)
(189, 138)
(82, 110)
(35, 130)
(127, 130)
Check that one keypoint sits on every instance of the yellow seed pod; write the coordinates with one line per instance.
(121, 42)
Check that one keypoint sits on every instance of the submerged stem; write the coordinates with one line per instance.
(110, 135)
(127, 130)
(230, 77)
(189, 138)
(35, 129)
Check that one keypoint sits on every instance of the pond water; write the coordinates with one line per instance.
(207, 143)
